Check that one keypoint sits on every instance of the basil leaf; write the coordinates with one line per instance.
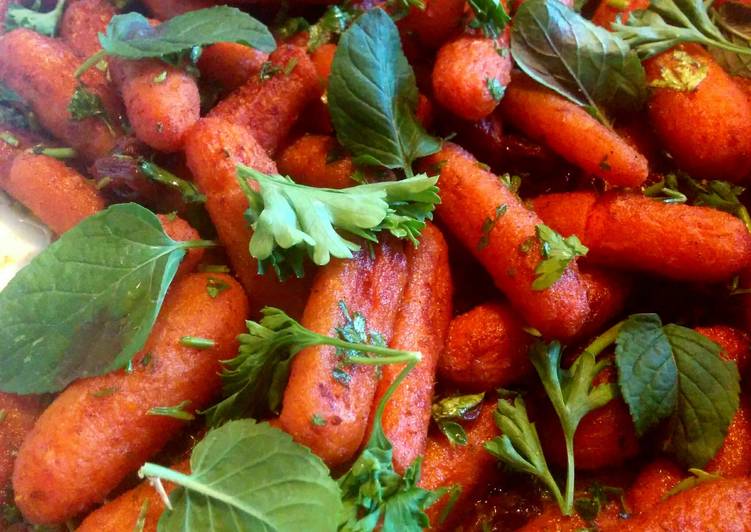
(248, 476)
(132, 37)
(86, 304)
(372, 96)
(647, 372)
(582, 62)
(708, 390)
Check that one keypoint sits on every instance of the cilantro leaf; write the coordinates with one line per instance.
(131, 36)
(490, 17)
(288, 488)
(647, 373)
(667, 23)
(255, 379)
(332, 23)
(708, 396)
(372, 96)
(291, 221)
(582, 62)
(33, 18)
(86, 304)
(557, 252)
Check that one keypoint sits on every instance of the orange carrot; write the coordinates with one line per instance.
(486, 348)
(708, 129)
(437, 23)
(608, 11)
(213, 149)
(317, 161)
(162, 101)
(652, 483)
(606, 292)
(19, 413)
(41, 70)
(505, 244)
(99, 429)
(572, 133)
(421, 325)
(178, 229)
(82, 22)
(372, 287)
(733, 459)
(230, 64)
(270, 106)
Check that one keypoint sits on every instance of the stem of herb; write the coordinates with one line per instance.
(56, 153)
(197, 343)
(149, 470)
(389, 356)
(189, 244)
(90, 62)
(605, 340)
(568, 503)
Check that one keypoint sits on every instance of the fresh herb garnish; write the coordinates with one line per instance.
(86, 104)
(197, 343)
(318, 420)
(589, 507)
(495, 89)
(671, 372)
(254, 380)
(86, 304)
(557, 253)
(142, 514)
(488, 224)
(289, 489)
(187, 190)
(582, 62)
(449, 410)
(292, 221)
(685, 75)
(178, 411)
(698, 476)
(372, 96)
(490, 17)
(668, 23)
(10, 139)
(215, 286)
(332, 24)
(33, 18)
(105, 392)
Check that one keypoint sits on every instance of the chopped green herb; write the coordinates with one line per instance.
(197, 343)
(8, 138)
(685, 75)
(142, 514)
(449, 410)
(105, 392)
(290, 66)
(618, 4)
(490, 17)
(214, 268)
(290, 27)
(318, 420)
(177, 411)
(557, 253)
(604, 166)
(85, 104)
(489, 224)
(512, 182)
(215, 286)
(532, 332)
(161, 77)
(332, 24)
(698, 476)
(18, 16)
(526, 246)
(589, 507)
(268, 70)
(55, 153)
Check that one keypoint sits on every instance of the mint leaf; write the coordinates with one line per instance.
(708, 391)
(372, 96)
(86, 304)
(557, 253)
(248, 476)
(647, 372)
(582, 62)
(132, 36)
(46, 23)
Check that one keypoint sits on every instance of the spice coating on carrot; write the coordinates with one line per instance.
(572, 133)
(82, 22)
(652, 483)
(505, 244)
(230, 64)
(20, 412)
(99, 429)
(437, 23)
(317, 161)
(213, 149)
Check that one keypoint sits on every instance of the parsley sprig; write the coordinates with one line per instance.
(557, 253)
(292, 221)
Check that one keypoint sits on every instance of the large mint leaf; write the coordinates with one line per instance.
(372, 96)
(647, 372)
(86, 304)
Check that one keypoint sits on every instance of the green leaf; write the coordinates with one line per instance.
(372, 96)
(177, 412)
(708, 391)
(557, 253)
(698, 476)
(32, 18)
(247, 476)
(85, 104)
(667, 23)
(453, 431)
(332, 23)
(647, 372)
(86, 304)
(582, 62)
(734, 20)
(187, 190)
(490, 17)
(291, 221)
(132, 36)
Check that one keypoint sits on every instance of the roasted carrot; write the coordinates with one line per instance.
(735, 344)
(322, 58)
(717, 505)
(436, 24)
(607, 292)
(178, 229)
(99, 429)
(162, 101)
(421, 325)
(41, 70)
(57, 194)
(270, 106)
(213, 148)
(373, 287)
(469, 75)
(472, 201)
(707, 130)
(318, 161)
(230, 64)
(572, 133)
(468, 467)
(166, 9)
(123, 513)
(733, 459)
(630, 231)
(608, 11)
(485, 348)
(19, 412)
(552, 520)
(82, 22)
(652, 484)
